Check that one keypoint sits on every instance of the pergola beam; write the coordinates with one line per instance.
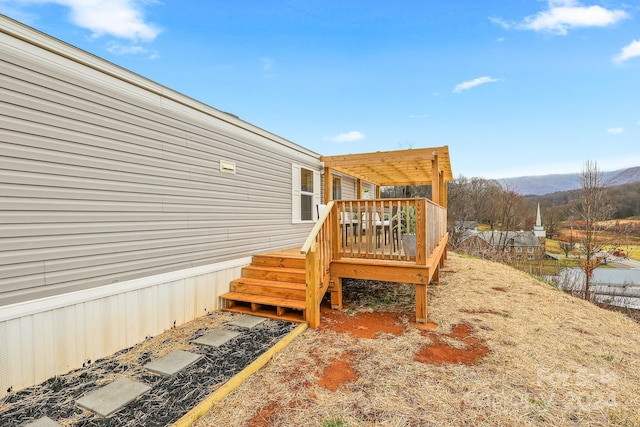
(395, 168)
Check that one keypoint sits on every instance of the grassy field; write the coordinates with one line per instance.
(507, 350)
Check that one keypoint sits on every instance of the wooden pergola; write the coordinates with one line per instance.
(348, 240)
(421, 166)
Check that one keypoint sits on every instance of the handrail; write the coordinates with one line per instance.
(318, 251)
(316, 228)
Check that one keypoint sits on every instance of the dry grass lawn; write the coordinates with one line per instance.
(508, 350)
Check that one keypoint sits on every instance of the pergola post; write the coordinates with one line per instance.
(328, 186)
(435, 179)
(443, 191)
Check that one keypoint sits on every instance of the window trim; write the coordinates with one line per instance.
(297, 193)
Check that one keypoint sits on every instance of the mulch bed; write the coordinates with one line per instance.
(169, 398)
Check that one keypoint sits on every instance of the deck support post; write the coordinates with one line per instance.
(336, 293)
(421, 303)
(436, 275)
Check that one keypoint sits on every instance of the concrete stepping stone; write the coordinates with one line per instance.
(248, 321)
(114, 396)
(216, 338)
(43, 422)
(173, 362)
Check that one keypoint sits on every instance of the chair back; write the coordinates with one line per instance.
(320, 209)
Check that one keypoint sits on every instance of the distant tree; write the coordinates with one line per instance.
(591, 208)
(469, 199)
(566, 247)
(552, 216)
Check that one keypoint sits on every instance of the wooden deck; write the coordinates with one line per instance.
(291, 283)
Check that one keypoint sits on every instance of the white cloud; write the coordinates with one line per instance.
(267, 64)
(615, 131)
(119, 18)
(563, 15)
(473, 83)
(119, 49)
(347, 137)
(629, 51)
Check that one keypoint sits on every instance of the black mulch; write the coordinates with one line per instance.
(167, 401)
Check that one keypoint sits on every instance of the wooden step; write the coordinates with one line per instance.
(289, 290)
(295, 304)
(278, 274)
(267, 311)
(274, 307)
(278, 261)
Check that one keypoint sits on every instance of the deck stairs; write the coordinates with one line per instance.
(272, 286)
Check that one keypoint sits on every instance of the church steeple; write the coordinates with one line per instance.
(538, 229)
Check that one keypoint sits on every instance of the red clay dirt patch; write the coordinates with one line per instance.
(440, 352)
(368, 325)
(268, 415)
(339, 372)
(362, 325)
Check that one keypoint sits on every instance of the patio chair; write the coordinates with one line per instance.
(320, 209)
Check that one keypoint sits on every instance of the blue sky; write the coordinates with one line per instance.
(518, 87)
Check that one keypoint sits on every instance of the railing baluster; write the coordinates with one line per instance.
(361, 224)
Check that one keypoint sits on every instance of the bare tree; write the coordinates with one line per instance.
(566, 247)
(469, 199)
(591, 208)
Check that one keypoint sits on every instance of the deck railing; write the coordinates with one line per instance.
(380, 229)
(318, 250)
(391, 229)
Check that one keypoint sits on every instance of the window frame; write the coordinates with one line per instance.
(297, 193)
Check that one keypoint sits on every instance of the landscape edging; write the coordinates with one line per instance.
(234, 382)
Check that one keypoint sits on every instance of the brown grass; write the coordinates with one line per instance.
(550, 359)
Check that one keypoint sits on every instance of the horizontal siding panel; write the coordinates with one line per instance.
(102, 181)
(112, 254)
(66, 251)
(35, 192)
(106, 176)
(128, 113)
(25, 204)
(62, 218)
(120, 270)
(15, 203)
(35, 270)
(57, 181)
(18, 283)
(109, 236)
(87, 110)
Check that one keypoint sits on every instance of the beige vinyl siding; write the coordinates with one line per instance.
(103, 181)
(348, 187)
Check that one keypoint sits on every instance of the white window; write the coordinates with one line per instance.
(530, 249)
(530, 257)
(305, 194)
(518, 248)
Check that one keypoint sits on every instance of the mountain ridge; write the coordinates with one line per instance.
(539, 185)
